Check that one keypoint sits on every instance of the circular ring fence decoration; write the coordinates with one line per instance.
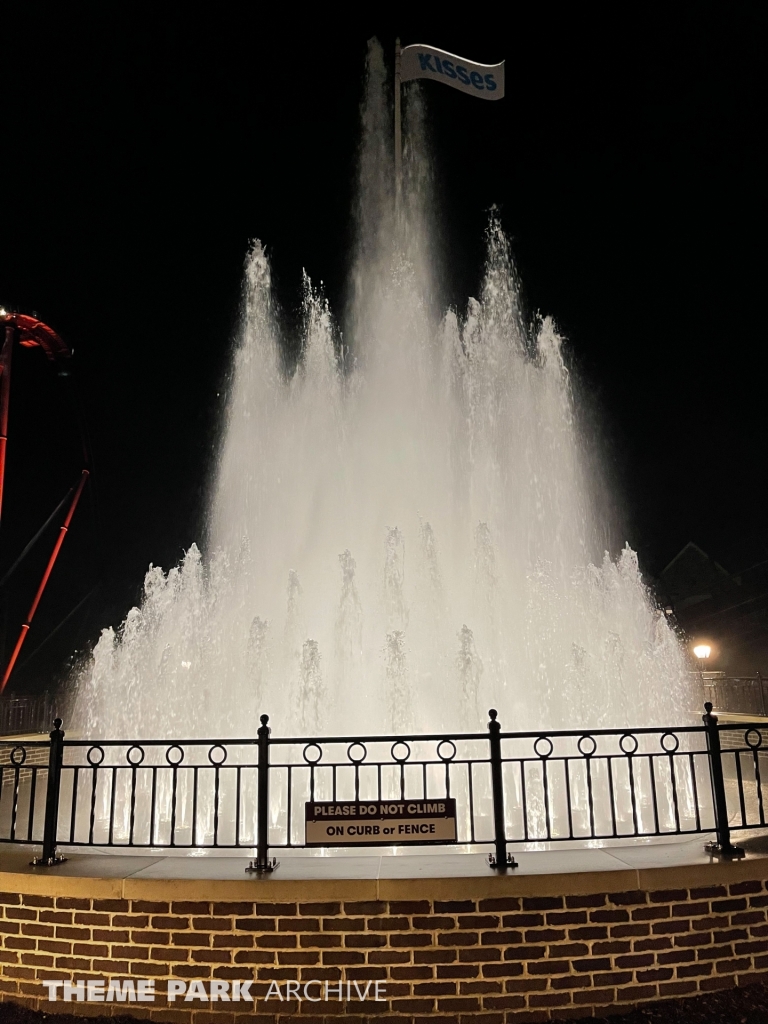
(18, 756)
(542, 751)
(95, 756)
(449, 756)
(753, 744)
(129, 755)
(313, 747)
(587, 739)
(400, 758)
(216, 763)
(170, 760)
(675, 742)
(359, 759)
(628, 738)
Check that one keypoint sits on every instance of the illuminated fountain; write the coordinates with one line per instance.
(404, 531)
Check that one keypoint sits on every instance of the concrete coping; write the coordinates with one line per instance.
(648, 867)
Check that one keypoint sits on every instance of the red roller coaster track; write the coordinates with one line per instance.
(30, 332)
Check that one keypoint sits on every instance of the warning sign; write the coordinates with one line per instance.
(380, 822)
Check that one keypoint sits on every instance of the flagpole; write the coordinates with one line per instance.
(398, 126)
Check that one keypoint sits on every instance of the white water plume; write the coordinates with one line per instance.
(399, 539)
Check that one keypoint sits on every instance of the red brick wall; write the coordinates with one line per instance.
(511, 958)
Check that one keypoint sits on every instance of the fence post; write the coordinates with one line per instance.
(55, 761)
(500, 860)
(263, 864)
(723, 847)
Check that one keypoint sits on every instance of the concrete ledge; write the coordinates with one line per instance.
(544, 873)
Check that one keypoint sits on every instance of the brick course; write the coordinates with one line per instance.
(491, 960)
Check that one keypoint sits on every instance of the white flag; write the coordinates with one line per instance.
(483, 80)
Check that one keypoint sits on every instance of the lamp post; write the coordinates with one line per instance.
(702, 653)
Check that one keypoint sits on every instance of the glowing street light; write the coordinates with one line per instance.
(701, 653)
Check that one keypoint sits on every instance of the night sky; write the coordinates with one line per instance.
(141, 151)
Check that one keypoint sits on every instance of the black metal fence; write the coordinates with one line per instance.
(20, 715)
(739, 695)
(509, 788)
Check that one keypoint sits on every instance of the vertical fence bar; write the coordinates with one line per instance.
(723, 847)
(262, 837)
(501, 860)
(55, 761)
(263, 864)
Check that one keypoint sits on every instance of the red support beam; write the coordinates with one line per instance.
(51, 561)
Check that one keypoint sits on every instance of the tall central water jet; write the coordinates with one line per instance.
(402, 532)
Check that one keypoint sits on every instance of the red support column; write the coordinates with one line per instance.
(54, 555)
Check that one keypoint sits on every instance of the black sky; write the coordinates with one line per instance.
(142, 150)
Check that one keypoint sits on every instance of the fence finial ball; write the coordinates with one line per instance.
(708, 707)
(492, 714)
(57, 723)
(264, 719)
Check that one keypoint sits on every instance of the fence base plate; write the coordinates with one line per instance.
(510, 862)
(268, 868)
(729, 852)
(49, 862)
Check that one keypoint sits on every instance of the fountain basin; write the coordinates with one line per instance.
(569, 929)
